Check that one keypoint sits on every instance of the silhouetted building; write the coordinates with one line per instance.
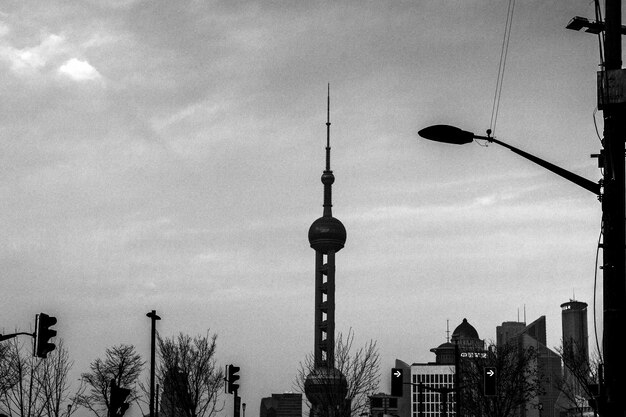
(548, 365)
(382, 405)
(282, 405)
(574, 323)
(438, 378)
(326, 387)
(576, 349)
(508, 330)
(175, 396)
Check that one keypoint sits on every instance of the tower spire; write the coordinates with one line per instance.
(328, 129)
(327, 177)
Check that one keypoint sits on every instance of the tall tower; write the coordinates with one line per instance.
(574, 323)
(325, 386)
(575, 337)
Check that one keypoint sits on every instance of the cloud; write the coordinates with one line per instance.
(33, 58)
(79, 70)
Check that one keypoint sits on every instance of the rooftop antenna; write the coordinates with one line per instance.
(518, 314)
(524, 313)
(448, 330)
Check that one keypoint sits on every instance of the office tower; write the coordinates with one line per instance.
(574, 323)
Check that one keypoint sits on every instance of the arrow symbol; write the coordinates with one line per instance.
(397, 374)
(490, 372)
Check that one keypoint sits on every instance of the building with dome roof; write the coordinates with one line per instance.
(438, 378)
(466, 337)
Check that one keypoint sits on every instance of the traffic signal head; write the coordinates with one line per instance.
(397, 379)
(233, 387)
(489, 379)
(44, 333)
(117, 403)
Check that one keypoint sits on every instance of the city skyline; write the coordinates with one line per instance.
(160, 156)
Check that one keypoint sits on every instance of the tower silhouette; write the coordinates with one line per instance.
(326, 386)
(575, 336)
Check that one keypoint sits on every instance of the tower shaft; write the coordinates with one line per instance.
(324, 309)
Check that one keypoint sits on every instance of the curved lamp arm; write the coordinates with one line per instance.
(451, 134)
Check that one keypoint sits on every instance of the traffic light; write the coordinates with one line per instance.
(44, 333)
(232, 378)
(117, 402)
(489, 380)
(396, 382)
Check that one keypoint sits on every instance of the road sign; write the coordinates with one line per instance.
(490, 376)
(396, 382)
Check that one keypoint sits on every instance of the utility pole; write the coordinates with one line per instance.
(614, 285)
(153, 317)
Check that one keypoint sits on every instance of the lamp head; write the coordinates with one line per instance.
(446, 134)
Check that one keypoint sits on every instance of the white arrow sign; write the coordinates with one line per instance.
(490, 372)
(397, 374)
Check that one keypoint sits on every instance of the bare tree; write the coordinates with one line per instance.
(190, 379)
(356, 373)
(53, 377)
(22, 394)
(518, 381)
(580, 378)
(121, 364)
(33, 387)
(7, 378)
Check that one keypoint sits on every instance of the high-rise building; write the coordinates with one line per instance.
(574, 323)
(576, 352)
(326, 387)
(282, 405)
(175, 395)
(548, 365)
(508, 330)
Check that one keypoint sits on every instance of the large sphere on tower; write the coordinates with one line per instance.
(327, 233)
(326, 386)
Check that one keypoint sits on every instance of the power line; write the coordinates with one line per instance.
(502, 66)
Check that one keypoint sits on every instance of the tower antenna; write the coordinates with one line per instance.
(328, 129)
(448, 330)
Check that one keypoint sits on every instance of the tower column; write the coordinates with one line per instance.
(330, 312)
(319, 299)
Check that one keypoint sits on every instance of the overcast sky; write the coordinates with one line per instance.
(167, 155)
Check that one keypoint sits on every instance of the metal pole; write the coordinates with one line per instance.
(236, 405)
(614, 287)
(153, 317)
(457, 379)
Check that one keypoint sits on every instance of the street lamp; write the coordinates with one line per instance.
(612, 196)
(456, 136)
(153, 318)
